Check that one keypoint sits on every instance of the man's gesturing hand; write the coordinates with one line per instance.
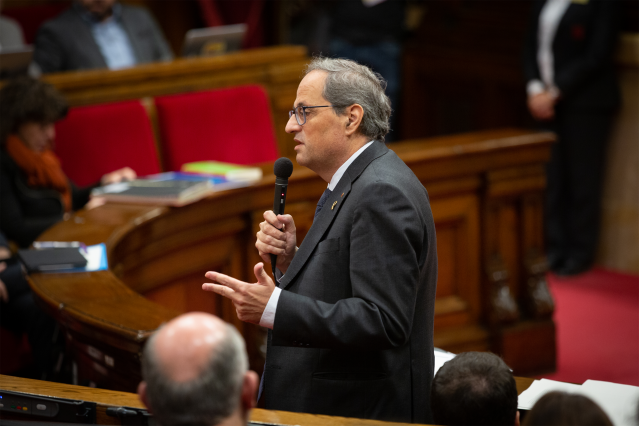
(270, 240)
(249, 299)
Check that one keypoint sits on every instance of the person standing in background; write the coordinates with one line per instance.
(573, 90)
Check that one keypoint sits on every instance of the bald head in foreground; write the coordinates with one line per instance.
(195, 372)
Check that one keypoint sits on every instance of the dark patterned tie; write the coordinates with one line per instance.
(321, 201)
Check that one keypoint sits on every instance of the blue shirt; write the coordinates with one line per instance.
(112, 40)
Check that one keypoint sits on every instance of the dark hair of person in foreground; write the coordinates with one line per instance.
(24, 100)
(474, 388)
(566, 409)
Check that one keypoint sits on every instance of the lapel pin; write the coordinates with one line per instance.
(342, 194)
(333, 206)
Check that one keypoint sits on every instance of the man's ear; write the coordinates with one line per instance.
(142, 395)
(249, 390)
(354, 115)
(517, 418)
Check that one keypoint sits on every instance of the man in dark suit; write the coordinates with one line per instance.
(351, 320)
(99, 34)
(572, 87)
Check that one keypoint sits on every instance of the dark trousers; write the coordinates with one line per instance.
(22, 315)
(574, 186)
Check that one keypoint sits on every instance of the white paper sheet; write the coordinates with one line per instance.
(618, 401)
(541, 387)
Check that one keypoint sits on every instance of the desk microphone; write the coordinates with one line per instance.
(283, 168)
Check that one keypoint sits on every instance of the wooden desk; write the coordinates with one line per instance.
(486, 195)
(106, 398)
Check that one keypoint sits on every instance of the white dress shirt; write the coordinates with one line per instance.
(268, 316)
(549, 19)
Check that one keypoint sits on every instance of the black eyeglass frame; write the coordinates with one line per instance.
(293, 111)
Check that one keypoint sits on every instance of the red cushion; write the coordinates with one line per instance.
(232, 125)
(99, 139)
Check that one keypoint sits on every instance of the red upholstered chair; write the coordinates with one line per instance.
(98, 139)
(232, 125)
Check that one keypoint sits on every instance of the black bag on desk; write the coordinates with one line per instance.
(53, 259)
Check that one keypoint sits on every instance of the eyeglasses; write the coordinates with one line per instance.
(300, 113)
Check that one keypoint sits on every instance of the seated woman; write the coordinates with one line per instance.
(34, 191)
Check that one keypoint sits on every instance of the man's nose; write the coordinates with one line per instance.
(292, 126)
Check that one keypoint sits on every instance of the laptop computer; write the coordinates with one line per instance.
(214, 41)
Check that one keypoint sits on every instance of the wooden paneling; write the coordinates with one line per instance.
(619, 246)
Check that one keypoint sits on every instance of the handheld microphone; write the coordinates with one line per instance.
(283, 168)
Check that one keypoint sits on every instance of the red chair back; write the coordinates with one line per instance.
(232, 125)
(94, 140)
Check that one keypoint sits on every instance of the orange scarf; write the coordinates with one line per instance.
(42, 168)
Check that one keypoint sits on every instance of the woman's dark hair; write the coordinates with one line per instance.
(566, 409)
(24, 100)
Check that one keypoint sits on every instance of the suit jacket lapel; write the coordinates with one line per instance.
(328, 213)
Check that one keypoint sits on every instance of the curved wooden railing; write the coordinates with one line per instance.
(486, 196)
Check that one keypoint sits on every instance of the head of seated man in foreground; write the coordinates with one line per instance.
(566, 409)
(195, 372)
(474, 388)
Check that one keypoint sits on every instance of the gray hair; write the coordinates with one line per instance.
(350, 83)
(211, 397)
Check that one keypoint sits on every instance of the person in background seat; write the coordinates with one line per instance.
(34, 191)
(475, 388)
(99, 34)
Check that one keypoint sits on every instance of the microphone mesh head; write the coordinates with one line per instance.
(283, 168)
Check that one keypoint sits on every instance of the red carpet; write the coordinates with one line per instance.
(597, 317)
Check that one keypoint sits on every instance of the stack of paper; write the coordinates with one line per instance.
(541, 387)
(618, 401)
(441, 357)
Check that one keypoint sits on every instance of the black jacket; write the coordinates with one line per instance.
(583, 51)
(353, 329)
(27, 212)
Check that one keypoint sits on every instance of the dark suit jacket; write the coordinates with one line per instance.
(66, 43)
(353, 330)
(583, 50)
(27, 212)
